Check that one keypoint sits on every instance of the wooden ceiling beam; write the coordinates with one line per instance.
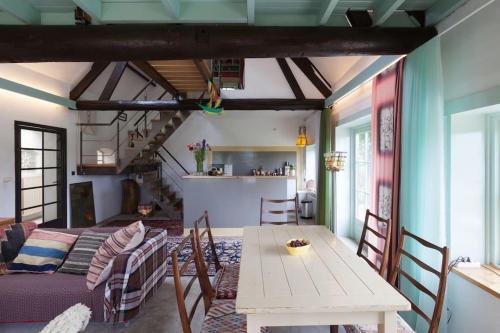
(384, 10)
(96, 70)
(290, 78)
(22, 10)
(202, 67)
(441, 9)
(113, 80)
(326, 10)
(306, 66)
(173, 8)
(169, 42)
(359, 18)
(228, 104)
(251, 12)
(157, 77)
(92, 7)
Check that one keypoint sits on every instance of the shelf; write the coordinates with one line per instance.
(485, 277)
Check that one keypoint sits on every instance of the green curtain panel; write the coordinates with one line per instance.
(324, 195)
(422, 167)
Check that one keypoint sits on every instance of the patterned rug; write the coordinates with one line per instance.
(228, 251)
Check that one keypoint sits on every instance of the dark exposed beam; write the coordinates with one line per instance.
(115, 77)
(157, 77)
(359, 18)
(202, 67)
(126, 42)
(418, 16)
(140, 74)
(192, 104)
(292, 81)
(96, 70)
(309, 71)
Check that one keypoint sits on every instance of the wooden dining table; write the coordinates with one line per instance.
(327, 285)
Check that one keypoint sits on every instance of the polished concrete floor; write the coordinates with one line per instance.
(158, 316)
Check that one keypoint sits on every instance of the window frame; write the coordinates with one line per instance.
(356, 224)
(61, 221)
(492, 183)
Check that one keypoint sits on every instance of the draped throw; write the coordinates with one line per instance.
(324, 193)
(386, 148)
(422, 153)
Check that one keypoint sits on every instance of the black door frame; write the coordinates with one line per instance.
(62, 202)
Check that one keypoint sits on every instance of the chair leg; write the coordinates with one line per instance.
(334, 329)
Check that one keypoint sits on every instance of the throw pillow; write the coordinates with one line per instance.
(12, 238)
(42, 252)
(78, 260)
(120, 241)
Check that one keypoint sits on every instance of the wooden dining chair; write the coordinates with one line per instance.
(179, 269)
(382, 255)
(220, 315)
(225, 282)
(364, 242)
(438, 297)
(283, 212)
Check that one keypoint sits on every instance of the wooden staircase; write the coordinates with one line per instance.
(142, 155)
(162, 195)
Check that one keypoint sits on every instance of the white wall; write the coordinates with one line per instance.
(472, 309)
(107, 189)
(467, 180)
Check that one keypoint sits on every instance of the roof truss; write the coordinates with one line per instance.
(22, 10)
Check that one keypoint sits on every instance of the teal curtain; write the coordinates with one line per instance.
(422, 164)
(324, 194)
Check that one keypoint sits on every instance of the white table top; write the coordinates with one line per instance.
(328, 278)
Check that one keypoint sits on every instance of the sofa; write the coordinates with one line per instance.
(136, 276)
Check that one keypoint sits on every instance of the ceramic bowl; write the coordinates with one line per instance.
(295, 251)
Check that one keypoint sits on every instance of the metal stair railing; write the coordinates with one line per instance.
(124, 124)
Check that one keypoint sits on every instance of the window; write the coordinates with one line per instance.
(40, 160)
(361, 177)
(311, 168)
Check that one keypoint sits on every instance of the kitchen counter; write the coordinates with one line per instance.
(232, 201)
(239, 177)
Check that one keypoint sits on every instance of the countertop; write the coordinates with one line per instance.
(239, 177)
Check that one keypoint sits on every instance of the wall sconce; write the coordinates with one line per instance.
(302, 138)
(335, 160)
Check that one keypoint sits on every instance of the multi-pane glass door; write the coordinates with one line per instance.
(40, 174)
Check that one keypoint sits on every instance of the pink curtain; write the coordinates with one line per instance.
(386, 148)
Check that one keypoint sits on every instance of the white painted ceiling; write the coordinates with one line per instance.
(263, 77)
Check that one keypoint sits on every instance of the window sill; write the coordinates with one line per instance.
(484, 277)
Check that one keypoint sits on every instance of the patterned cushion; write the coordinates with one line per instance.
(222, 318)
(226, 282)
(403, 327)
(43, 252)
(12, 238)
(121, 241)
(79, 258)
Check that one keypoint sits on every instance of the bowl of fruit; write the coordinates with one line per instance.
(298, 246)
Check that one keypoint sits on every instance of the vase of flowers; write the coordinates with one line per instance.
(199, 150)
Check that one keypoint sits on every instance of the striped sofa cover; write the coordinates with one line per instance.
(136, 276)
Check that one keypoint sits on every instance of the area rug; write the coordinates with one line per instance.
(228, 251)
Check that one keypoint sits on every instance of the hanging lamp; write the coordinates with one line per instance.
(302, 137)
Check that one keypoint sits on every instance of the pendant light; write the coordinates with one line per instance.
(302, 137)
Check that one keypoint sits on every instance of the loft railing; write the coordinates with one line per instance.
(122, 123)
